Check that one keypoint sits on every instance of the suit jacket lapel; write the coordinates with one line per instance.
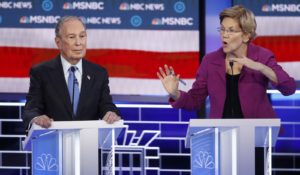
(59, 83)
(86, 79)
(219, 63)
(251, 54)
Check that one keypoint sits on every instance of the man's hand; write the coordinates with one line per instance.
(43, 121)
(111, 117)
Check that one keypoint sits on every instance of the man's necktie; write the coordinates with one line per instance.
(73, 88)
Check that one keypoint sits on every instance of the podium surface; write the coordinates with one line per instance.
(227, 146)
(71, 147)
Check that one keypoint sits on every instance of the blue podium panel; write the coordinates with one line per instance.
(204, 152)
(46, 155)
(107, 142)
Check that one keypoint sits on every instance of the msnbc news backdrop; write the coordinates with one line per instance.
(130, 38)
(133, 38)
(278, 29)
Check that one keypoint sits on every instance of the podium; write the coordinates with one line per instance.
(227, 146)
(71, 147)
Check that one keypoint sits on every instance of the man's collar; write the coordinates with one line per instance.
(66, 65)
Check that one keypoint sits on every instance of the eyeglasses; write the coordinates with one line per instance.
(222, 30)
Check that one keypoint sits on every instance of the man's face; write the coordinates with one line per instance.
(72, 41)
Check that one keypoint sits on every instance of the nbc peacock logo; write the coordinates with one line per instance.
(67, 6)
(124, 6)
(46, 162)
(266, 8)
(83, 19)
(24, 20)
(156, 21)
(204, 160)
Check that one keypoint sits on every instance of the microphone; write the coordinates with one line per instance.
(231, 66)
(231, 62)
(231, 81)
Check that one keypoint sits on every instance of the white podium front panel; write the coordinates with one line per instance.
(71, 147)
(229, 144)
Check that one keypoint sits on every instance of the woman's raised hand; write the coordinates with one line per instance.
(169, 80)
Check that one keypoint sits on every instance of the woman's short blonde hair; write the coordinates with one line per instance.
(243, 16)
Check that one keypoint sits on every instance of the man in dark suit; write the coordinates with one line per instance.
(69, 87)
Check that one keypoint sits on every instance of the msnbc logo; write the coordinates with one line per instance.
(292, 8)
(24, 20)
(124, 6)
(39, 19)
(82, 5)
(171, 21)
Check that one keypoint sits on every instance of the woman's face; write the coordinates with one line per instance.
(234, 40)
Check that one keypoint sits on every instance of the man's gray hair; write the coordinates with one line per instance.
(64, 19)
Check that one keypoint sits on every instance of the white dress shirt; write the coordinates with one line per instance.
(66, 66)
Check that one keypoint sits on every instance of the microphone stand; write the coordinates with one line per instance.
(231, 82)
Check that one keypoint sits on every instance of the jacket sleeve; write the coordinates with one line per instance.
(34, 104)
(285, 84)
(195, 97)
(106, 104)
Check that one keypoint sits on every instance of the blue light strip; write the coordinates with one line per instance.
(143, 106)
(136, 105)
(272, 91)
(11, 120)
